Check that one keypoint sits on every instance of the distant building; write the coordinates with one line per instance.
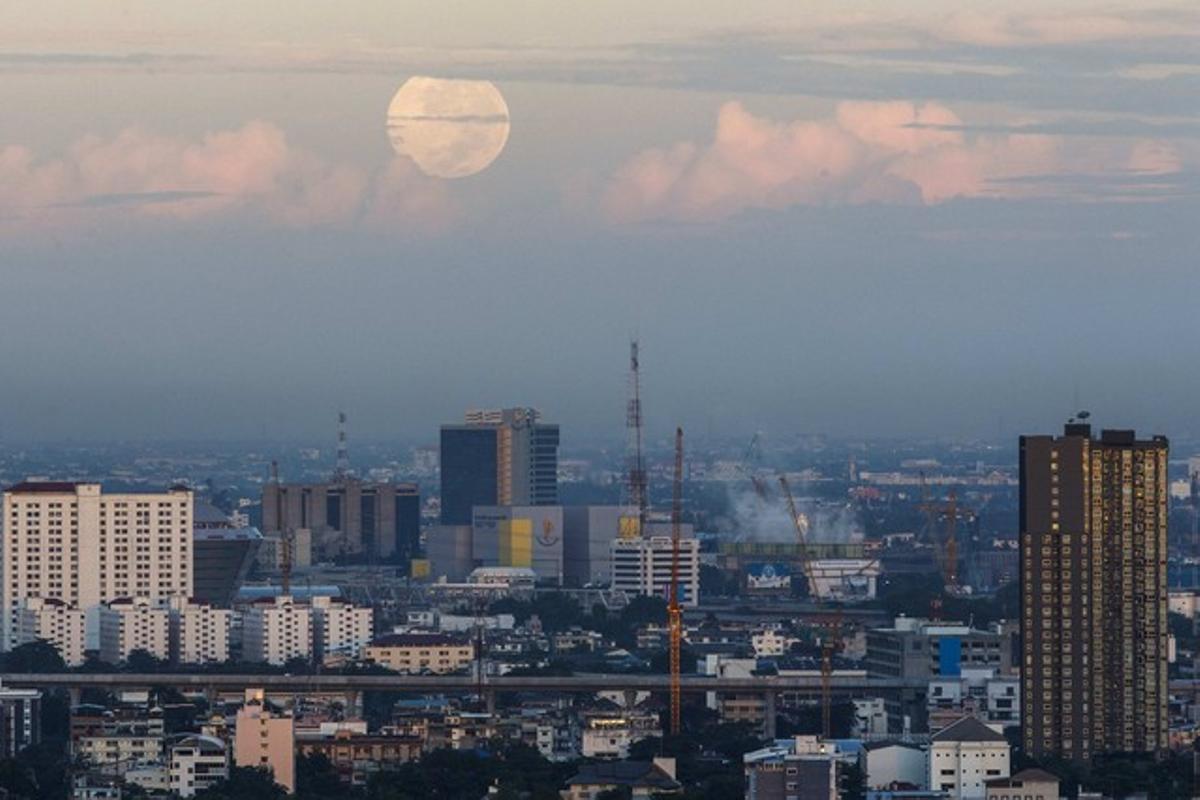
(199, 632)
(196, 763)
(644, 780)
(519, 536)
(70, 542)
(340, 630)
(1028, 784)
(131, 623)
(588, 534)
(417, 653)
(642, 566)
(449, 550)
(505, 457)
(222, 555)
(276, 630)
(55, 622)
(609, 735)
(20, 720)
(994, 699)
(803, 769)
(888, 764)
(1094, 593)
(356, 755)
(348, 518)
(266, 740)
(964, 756)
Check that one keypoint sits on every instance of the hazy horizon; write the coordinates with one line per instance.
(941, 222)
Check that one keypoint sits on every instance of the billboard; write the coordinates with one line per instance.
(768, 577)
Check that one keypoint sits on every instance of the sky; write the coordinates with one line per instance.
(857, 218)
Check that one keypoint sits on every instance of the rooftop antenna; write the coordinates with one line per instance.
(342, 467)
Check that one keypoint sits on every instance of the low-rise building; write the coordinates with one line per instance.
(976, 692)
(801, 769)
(609, 735)
(888, 764)
(643, 779)
(417, 653)
(965, 755)
(266, 740)
(1028, 784)
(197, 763)
(20, 720)
(356, 755)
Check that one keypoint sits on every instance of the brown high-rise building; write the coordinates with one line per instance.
(1093, 593)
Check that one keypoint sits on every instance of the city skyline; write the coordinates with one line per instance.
(814, 218)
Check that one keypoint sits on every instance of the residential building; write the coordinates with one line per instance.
(977, 692)
(276, 630)
(265, 739)
(421, 653)
(642, 566)
(20, 720)
(340, 630)
(128, 624)
(609, 734)
(197, 763)
(199, 632)
(505, 457)
(801, 769)
(73, 543)
(1093, 526)
(1028, 784)
(870, 718)
(356, 755)
(965, 755)
(53, 621)
(529, 537)
(645, 780)
(347, 518)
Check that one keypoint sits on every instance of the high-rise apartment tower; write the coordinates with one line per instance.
(1093, 593)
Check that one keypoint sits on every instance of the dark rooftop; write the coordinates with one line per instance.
(43, 487)
(415, 640)
(968, 729)
(642, 774)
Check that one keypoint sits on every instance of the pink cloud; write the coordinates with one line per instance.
(893, 152)
(253, 172)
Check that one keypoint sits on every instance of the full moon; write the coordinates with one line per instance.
(449, 128)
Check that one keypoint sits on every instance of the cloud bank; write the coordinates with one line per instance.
(867, 152)
(251, 174)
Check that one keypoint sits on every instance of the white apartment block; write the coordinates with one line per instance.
(70, 542)
(643, 566)
(55, 622)
(197, 763)
(128, 624)
(341, 630)
(199, 633)
(277, 629)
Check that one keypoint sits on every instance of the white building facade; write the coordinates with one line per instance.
(341, 630)
(964, 756)
(55, 622)
(276, 630)
(70, 542)
(643, 567)
(199, 633)
(128, 624)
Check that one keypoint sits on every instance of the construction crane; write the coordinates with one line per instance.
(674, 612)
(815, 592)
(747, 463)
(831, 639)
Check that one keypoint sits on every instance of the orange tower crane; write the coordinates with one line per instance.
(674, 612)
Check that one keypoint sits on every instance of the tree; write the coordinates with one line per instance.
(245, 783)
(36, 656)
(143, 662)
(316, 779)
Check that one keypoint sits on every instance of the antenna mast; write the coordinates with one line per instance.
(633, 424)
(342, 467)
(674, 612)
